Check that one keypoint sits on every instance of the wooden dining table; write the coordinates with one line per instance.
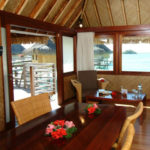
(97, 132)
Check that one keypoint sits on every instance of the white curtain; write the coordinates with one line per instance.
(85, 51)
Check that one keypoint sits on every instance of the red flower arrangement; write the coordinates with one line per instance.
(93, 109)
(60, 129)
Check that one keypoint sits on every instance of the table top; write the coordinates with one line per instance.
(98, 133)
(118, 96)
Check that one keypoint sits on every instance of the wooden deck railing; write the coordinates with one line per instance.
(38, 77)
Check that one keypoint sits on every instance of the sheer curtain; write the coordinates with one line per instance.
(85, 52)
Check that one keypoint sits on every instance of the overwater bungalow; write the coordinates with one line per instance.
(93, 56)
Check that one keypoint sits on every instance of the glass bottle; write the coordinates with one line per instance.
(139, 90)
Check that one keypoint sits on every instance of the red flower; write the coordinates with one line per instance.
(59, 122)
(59, 133)
(91, 110)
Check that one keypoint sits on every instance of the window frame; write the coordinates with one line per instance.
(113, 36)
(131, 33)
(74, 54)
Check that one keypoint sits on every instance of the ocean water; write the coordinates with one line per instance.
(133, 62)
(136, 62)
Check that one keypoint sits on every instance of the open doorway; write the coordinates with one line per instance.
(33, 64)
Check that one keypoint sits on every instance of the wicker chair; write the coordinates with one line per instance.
(87, 82)
(129, 119)
(128, 138)
(31, 107)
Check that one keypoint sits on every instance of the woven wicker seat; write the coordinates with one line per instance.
(129, 119)
(87, 82)
(31, 107)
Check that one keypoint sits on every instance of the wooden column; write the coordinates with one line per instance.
(60, 83)
(10, 77)
(2, 104)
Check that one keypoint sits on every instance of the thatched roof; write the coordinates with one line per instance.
(93, 12)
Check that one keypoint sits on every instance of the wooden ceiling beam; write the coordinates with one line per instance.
(124, 12)
(23, 6)
(75, 19)
(4, 4)
(97, 14)
(19, 6)
(110, 12)
(139, 11)
(36, 8)
(86, 19)
(61, 11)
(84, 7)
(71, 12)
(39, 9)
(50, 10)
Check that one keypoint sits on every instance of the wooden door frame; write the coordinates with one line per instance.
(9, 20)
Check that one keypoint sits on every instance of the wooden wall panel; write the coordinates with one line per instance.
(103, 12)
(127, 81)
(69, 91)
(131, 12)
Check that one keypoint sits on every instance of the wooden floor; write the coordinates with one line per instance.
(141, 139)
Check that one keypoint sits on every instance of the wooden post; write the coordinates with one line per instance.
(2, 103)
(32, 81)
(60, 81)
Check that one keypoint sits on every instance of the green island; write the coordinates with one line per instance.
(129, 52)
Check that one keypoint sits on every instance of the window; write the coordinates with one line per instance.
(136, 53)
(103, 53)
(68, 56)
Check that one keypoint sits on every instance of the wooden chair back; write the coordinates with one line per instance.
(128, 138)
(137, 113)
(31, 107)
(130, 119)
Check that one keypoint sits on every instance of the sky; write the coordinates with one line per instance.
(139, 48)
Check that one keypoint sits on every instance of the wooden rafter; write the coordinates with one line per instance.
(2, 4)
(109, 11)
(96, 12)
(36, 8)
(124, 12)
(86, 19)
(19, 6)
(23, 6)
(39, 9)
(139, 11)
(84, 7)
(71, 12)
(75, 19)
(61, 11)
(50, 10)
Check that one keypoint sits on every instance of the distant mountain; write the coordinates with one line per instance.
(129, 52)
(49, 48)
(51, 45)
(100, 48)
(17, 49)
